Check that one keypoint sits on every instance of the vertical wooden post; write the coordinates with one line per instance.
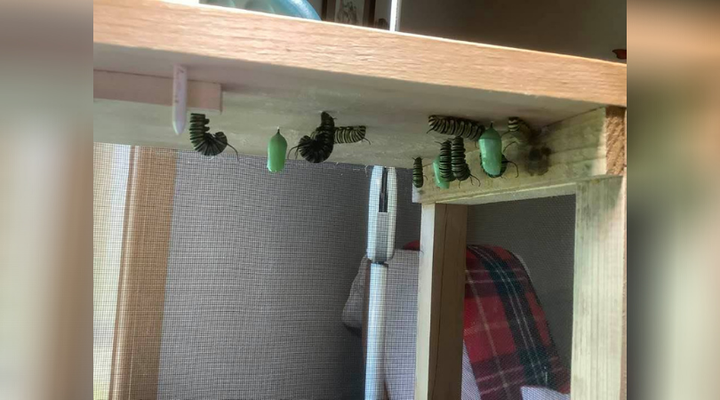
(599, 289)
(143, 269)
(441, 292)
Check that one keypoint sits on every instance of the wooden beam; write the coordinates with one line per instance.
(277, 71)
(623, 394)
(281, 72)
(598, 300)
(623, 383)
(202, 96)
(143, 269)
(583, 147)
(161, 33)
(615, 140)
(441, 290)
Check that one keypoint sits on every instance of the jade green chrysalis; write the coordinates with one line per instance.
(491, 152)
(439, 181)
(277, 146)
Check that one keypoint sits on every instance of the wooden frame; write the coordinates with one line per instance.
(441, 291)
(598, 298)
(143, 269)
(202, 97)
(279, 71)
(599, 362)
(291, 67)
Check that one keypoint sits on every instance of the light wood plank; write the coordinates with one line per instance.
(615, 141)
(281, 72)
(441, 288)
(623, 388)
(202, 97)
(583, 147)
(130, 28)
(623, 392)
(143, 269)
(598, 320)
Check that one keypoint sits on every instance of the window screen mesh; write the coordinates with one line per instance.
(110, 177)
(259, 268)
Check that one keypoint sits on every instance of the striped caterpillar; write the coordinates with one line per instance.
(318, 147)
(350, 134)
(464, 128)
(446, 162)
(460, 168)
(418, 176)
(205, 142)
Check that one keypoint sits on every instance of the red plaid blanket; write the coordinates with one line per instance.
(506, 335)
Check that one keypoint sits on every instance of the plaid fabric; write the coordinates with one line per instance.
(506, 335)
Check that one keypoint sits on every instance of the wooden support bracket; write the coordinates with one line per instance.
(441, 290)
(203, 97)
(143, 270)
(599, 289)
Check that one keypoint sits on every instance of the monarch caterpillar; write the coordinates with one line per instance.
(276, 152)
(515, 124)
(318, 147)
(460, 168)
(418, 177)
(350, 134)
(520, 130)
(464, 128)
(439, 181)
(445, 162)
(205, 142)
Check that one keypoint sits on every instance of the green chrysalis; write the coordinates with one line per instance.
(277, 146)
(491, 152)
(439, 181)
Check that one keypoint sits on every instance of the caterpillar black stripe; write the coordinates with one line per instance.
(350, 134)
(318, 147)
(515, 124)
(205, 142)
(464, 128)
(445, 162)
(460, 168)
(418, 177)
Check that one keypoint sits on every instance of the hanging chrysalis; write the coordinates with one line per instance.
(439, 181)
(277, 146)
(491, 152)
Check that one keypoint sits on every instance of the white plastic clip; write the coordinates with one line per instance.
(395, 8)
(179, 104)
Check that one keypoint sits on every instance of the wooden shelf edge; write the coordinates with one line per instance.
(221, 34)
